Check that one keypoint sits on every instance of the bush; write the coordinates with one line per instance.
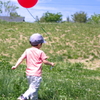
(95, 18)
(50, 17)
(80, 17)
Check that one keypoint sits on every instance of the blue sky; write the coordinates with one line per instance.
(66, 7)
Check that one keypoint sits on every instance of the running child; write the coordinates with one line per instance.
(34, 59)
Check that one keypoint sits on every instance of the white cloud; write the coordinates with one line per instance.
(39, 1)
(14, 0)
(10, 0)
(44, 8)
(44, 1)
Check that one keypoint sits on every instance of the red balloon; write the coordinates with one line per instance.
(27, 3)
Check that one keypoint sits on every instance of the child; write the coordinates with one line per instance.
(34, 59)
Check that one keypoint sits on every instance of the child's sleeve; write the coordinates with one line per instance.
(43, 56)
(24, 54)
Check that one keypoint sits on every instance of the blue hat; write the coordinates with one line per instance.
(36, 39)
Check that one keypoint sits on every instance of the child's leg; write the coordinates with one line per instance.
(34, 83)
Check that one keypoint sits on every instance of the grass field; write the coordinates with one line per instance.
(73, 47)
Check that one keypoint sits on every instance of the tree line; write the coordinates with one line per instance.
(81, 17)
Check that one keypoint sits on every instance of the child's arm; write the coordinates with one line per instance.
(18, 63)
(48, 63)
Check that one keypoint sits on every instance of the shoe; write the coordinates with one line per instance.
(21, 98)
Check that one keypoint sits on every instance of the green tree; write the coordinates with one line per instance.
(95, 18)
(80, 17)
(14, 14)
(68, 19)
(8, 8)
(51, 17)
(1, 3)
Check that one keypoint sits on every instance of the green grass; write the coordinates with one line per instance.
(68, 40)
(67, 81)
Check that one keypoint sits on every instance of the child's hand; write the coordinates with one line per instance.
(52, 64)
(13, 67)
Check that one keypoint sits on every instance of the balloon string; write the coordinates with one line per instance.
(39, 25)
(41, 28)
(37, 21)
(30, 13)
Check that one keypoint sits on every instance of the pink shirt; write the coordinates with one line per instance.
(34, 58)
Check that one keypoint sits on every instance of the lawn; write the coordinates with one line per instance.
(74, 47)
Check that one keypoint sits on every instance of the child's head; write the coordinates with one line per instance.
(36, 39)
